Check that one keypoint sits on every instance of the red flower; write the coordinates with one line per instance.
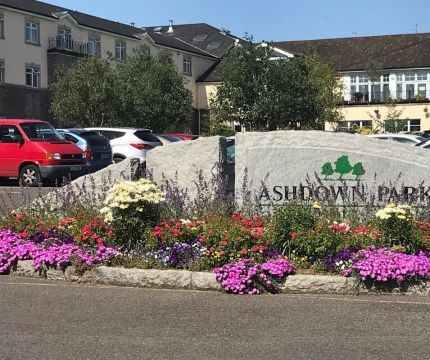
(293, 235)
(254, 248)
(222, 253)
(211, 249)
(224, 243)
(202, 239)
(176, 232)
(236, 217)
(23, 234)
(244, 251)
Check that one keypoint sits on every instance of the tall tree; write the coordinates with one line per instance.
(153, 93)
(86, 95)
(266, 93)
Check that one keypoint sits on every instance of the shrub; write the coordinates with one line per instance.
(289, 219)
(130, 207)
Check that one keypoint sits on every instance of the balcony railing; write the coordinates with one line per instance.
(67, 44)
(359, 98)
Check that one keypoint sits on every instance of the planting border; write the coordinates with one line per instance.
(189, 280)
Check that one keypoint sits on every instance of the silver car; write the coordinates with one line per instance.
(401, 138)
(129, 142)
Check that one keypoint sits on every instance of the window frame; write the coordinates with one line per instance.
(121, 49)
(34, 71)
(1, 25)
(96, 39)
(2, 71)
(187, 65)
(36, 28)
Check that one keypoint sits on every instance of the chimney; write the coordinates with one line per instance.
(133, 24)
(170, 30)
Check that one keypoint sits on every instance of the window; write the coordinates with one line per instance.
(399, 91)
(64, 38)
(32, 75)
(10, 134)
(353, 79)
(2, 81)
(94, 44)
(1, 25)
(120, 50)
(353, 125)
(31, 32)
(187, 70)
(386, 78)
(410, 91)
(386, 92)
(363, 79)
(422, 76)
(422, 90)
(414, 125)
(399, 77)
(410, 77)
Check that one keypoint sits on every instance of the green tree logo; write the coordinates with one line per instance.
(358, 170)
(327, 170)
(342, 166)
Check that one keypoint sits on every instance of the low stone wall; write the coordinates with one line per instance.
(188, 280)
(90, 188)
(184, 164)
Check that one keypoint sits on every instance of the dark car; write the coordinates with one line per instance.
(97, 149)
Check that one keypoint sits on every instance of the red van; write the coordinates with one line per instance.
(31, 150)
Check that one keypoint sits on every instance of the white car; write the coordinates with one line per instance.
(401, 138)
(129, 142)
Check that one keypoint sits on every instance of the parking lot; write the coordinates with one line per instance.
(13, 196)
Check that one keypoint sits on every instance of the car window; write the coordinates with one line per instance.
(111, 134)
(70, 138)
(95, 138)
(41, 132)
(146, 136)
(9, 134)
(404, 141)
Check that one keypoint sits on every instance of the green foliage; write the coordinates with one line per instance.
(391, 123)
(153, 93)
(327, 170)
(141, 92)
(87, 95)
(287, 220)
(267, 94)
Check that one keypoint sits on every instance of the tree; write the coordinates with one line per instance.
(327, 170)
(265, 93)
(342, 166)
(86, 95)
(391, 122)
(153, 93)
(358, 170)
(141, 92)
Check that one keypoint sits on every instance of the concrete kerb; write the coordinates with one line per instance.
(205, 281)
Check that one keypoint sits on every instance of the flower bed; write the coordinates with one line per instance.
(249, 254)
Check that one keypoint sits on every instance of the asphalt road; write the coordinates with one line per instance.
(54, 320)
(13, 196)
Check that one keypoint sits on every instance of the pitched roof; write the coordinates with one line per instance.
(201, 37)
(355, 53)
(176, 40)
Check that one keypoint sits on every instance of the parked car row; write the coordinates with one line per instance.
(33, 151)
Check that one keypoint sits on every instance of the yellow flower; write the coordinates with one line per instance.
(401, 217)
(316, 205)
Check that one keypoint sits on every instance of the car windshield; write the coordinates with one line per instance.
(41, 132)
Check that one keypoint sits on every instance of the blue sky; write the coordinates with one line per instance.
(271, 19)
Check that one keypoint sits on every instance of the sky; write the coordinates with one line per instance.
(270, 20)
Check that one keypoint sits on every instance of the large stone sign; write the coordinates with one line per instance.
(278, 166)
(188, 165)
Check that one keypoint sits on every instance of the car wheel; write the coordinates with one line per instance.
(30, 176)
(117, 159)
